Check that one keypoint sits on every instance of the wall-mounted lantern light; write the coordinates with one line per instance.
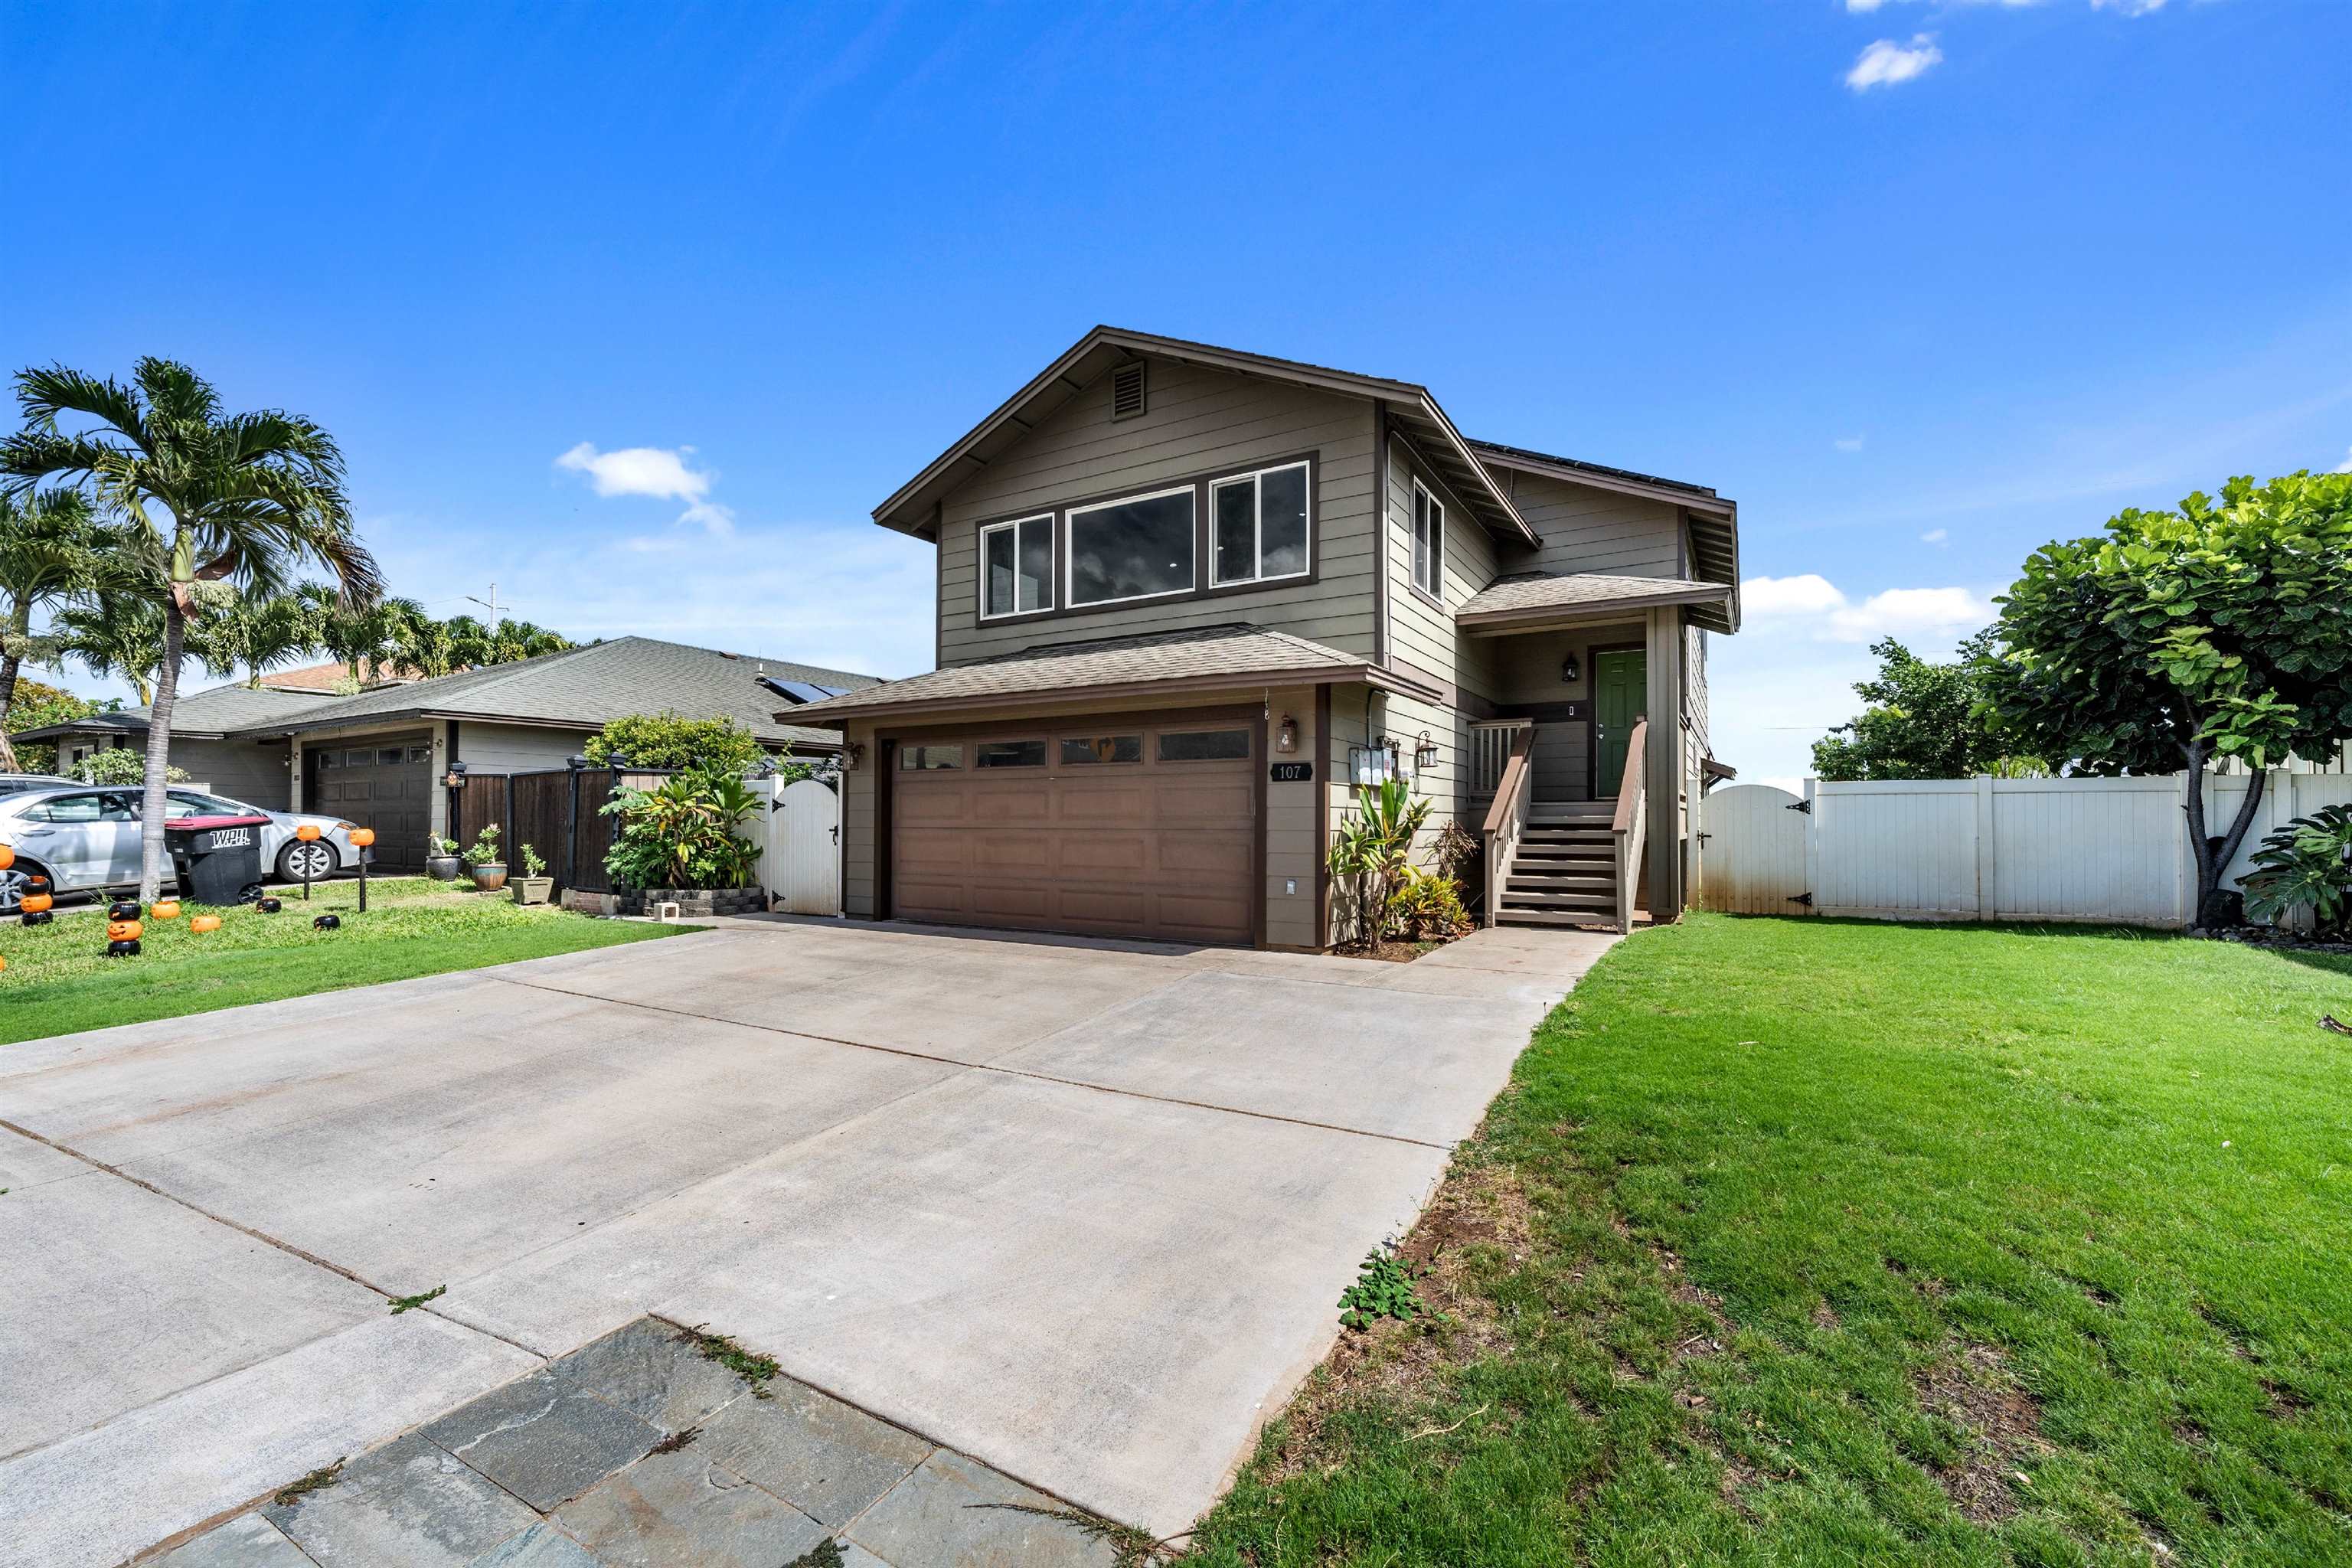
(455, 777)
(1286, 739)
(852, 753)
(1424, 754)
(1571, 672)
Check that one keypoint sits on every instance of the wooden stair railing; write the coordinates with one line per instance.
(1630, 828)
(1506, 820)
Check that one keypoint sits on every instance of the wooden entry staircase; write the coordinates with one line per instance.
(1565, 863)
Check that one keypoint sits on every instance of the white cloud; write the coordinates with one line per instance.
(2128, 8)
(660, 472)
(1886, 62)
(2345, 466)
(1811, 602)
(1848, 443)
(1859, 7)
(1936, 536)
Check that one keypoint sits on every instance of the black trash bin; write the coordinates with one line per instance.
(218, 858)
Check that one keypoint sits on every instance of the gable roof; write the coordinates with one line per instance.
(198, 715)
(1536, 596)
(1201, 658)
(584, 687)
(1412, 409)
(1714, 520)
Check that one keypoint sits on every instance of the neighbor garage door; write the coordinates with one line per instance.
(1105, 827)
(385, 784)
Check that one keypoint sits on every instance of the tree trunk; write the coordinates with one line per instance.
(2213, 856)
(20, 624)
(154, 861)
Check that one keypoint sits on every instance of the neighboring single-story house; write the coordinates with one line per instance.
(381, 758)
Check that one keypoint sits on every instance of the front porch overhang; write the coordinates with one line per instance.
(1567, 602)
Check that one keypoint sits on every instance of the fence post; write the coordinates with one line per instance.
(572, 824)
(1987, 869)
(1813, 846)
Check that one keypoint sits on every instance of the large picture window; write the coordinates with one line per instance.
(1137, 548)
(1016, 566)
(1428, 543)
(1258, 526)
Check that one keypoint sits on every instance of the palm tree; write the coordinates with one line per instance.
(362, 635)
(49, 558)
(208, 499)
(257, 633)
(475, 645)
(424, 645)
(121, 637)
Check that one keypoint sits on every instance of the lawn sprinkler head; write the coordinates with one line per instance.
(327, 923)
(36, 917)
(128, 948)
(269, 906)
(128, 910)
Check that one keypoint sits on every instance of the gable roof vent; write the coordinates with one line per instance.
(1126, 390)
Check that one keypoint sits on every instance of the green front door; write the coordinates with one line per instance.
(1621, 694)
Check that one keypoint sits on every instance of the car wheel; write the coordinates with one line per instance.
(315, 859)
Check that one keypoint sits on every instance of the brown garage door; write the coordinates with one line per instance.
(1100, 826)
(384, 785)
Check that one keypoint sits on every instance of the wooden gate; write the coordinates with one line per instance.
(1754, 857)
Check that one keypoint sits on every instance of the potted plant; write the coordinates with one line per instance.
(441, 858)
(489, 871)
(534, 886)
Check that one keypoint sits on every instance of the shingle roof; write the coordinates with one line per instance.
(199, 715)
(1599, 470)
(1536, 591)
(586, 687)
(1227, 655)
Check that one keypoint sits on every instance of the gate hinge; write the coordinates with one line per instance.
(1804, 805)
(1804, 899)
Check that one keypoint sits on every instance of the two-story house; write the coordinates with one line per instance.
(1190, 598)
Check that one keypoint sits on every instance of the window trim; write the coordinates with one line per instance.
(1198, 483)
(1255, 478)
(1423, 497)
(1190, 492)
(1053, 564)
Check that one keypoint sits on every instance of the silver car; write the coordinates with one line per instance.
(87, 838)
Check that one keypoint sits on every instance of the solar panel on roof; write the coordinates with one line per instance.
(801, 690)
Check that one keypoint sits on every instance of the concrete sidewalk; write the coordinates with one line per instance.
(1078, 1209)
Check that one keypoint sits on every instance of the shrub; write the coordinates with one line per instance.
(682, 834)
(668, 739)
(485, 851)
(1428, 904)
(532, 866)
(122, 765)
(2306, 865)
(1369, 855)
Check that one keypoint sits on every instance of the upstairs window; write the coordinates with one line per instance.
(1428, 543)
(1016, 566)
(1136, 548)
(1258, 524)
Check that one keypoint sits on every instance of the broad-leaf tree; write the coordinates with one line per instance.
(49, 557)
(1921, 721)
(211, 502)
(2224, 630)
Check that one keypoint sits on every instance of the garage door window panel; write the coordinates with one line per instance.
(1140, 547)
(929, 759)
(1100, 751)
(1204, 746)
(1010, 754)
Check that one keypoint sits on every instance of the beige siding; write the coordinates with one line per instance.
(241, 770)
(1293, 852)
(1421, 635)
(1588, 530)
(1199, 421)
(859, 843)
(516, 748)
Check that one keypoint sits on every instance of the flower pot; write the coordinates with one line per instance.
(441, 868)
(533, 889)
(489, 877)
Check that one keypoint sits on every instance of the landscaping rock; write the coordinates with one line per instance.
(696, 902)
(680, 1507)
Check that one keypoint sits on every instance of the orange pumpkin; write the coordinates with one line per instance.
(362, 837)
(123, 931)
(307, 832)
(201, 923)
(4, 963)
(34, 903)
(166, 909)
(7, 856)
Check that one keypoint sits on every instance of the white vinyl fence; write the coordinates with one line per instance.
(2113, 851)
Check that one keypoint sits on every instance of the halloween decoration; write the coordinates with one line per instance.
(166, 909)
(127, 909)
(203, 923)
(128, 948)
(124, 930)
(36, 918)
(7, 856)
(268, 906)
(308, 832)
(36, 903)
(362, 837)
(327, 923)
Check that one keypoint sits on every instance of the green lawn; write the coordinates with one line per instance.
(1812, 1242)
(59, 979)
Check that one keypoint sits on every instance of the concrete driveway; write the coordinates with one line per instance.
(1079, 1209)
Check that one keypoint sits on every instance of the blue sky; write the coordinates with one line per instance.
(1921, 285)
